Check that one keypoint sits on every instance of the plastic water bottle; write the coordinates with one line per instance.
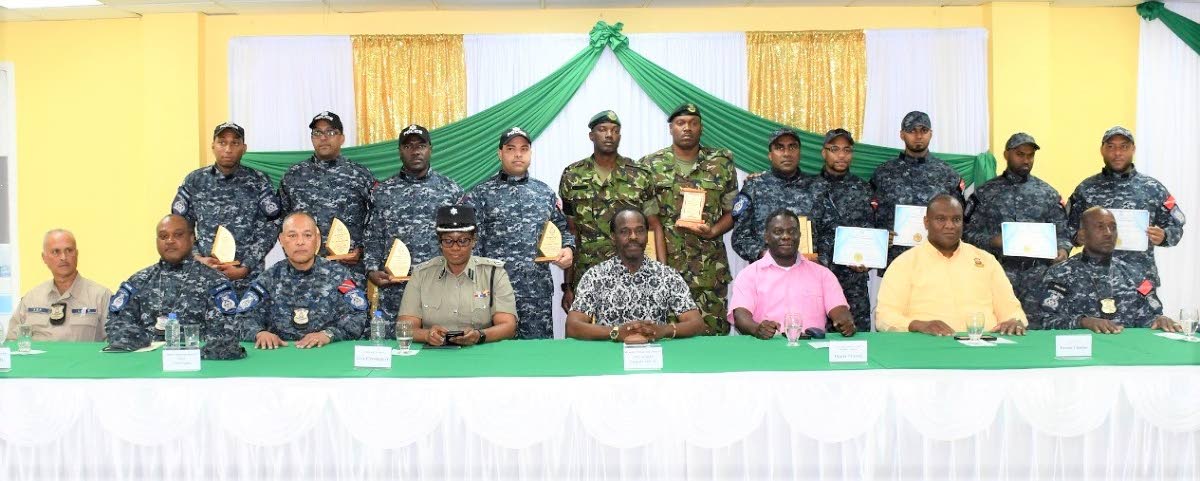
(378, 329)
(171, 331)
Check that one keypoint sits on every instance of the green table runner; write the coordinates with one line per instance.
(588, 358)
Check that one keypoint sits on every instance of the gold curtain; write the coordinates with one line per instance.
(407, 79)
(815, 81)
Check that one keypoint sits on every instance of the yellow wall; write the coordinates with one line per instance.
(112, 113)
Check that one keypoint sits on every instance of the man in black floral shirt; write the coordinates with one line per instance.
(630, 298)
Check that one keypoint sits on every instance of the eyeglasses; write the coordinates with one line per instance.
(461, 242)
(833, 149)
(326, 133)
(786, 148)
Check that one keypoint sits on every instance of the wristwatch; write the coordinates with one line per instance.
(328, 333)
(614, 333)
(482, 336)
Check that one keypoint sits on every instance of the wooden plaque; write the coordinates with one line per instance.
(651, 249)
(550, 244)
(338, 241)
(399, 261)
(691, 211)
(806, 239)
(224, 246)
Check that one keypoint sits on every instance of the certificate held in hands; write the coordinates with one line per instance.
(399, 261)
(855, 246)
(550, 244)
(338, 242)
(1131, 229)
(909, 225)
(1029, 239)
(224, 247)
(691, 211)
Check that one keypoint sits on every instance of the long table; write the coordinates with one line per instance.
(721, 408)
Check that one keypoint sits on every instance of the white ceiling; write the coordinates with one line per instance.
(135, 8)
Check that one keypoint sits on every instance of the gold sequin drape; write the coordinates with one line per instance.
(407, 79)
(815, 81)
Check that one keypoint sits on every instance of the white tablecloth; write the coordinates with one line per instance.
(1093, 423)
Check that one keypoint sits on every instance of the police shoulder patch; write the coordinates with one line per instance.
(268, 204)
(254, 295)
(740, 205)
(121, 298)
(225, 299)
(357, 299)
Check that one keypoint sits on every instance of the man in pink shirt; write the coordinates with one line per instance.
(784, 282)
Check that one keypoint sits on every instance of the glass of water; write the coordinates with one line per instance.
(975, 326)
(1187, 320)
(24, 338)
(404, 335)
(191, 336)
(792, 327)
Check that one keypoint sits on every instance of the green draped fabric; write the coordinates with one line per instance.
(466, 150)
(1186, 29)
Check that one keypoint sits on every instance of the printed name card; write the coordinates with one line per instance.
(377, 357)
(1074, 346)
(5, 359)
(847, 351)
(181, 360)
(643, 357)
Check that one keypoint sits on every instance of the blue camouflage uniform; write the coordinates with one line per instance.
(1075, 288)
(512, 213)
(404, 208)
(244, 202)
(196, 293)
(292, 303)
(1129, 190)
(844, 201)
(1012, 197)
(762, 194)
(327, 189)
(913, 181)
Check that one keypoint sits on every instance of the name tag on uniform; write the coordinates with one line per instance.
(1074, 346)
(643, 357)
(5, 359)
(847, 351)
(181, 360)
(375, 357)
(84, 311)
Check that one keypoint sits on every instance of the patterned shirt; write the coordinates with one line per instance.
(612, 295)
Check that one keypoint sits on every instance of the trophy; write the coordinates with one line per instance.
(224, 247)
(691, 211)
(399, 261)
(651, 250)
(806, 239)
(338, 241)
(550, 244)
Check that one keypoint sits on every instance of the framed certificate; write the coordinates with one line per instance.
(1029, 239)
(855, 246)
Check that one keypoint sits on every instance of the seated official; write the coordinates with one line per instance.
(67, 307)
(936, 286)
(1094, 290)
(631, 298)
(458, 291)
(783, 282)
(306, 299)
(177, 284)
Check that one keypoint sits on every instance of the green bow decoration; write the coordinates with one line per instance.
(603, 35)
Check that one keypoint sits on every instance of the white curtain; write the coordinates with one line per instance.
(1094, 423)
(942, 72)
(1168, 146)
(500, 66)
(277, 84)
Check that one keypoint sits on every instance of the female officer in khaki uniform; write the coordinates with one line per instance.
(458, 291)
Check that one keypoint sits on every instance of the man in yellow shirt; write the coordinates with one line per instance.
(936, 286)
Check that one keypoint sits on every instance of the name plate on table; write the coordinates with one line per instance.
(847, 351)
(855, 246)
(1131, 229)
(643, 357)
(5, 359)
(1074, 346)
(1029, 239)
(909, 225)
(181, 360)
(376, 357)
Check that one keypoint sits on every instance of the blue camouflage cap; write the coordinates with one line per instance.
(1117, 130)
(915, 119)
(1021, 138)
(780, 132)
(838, 132)
(237, 130)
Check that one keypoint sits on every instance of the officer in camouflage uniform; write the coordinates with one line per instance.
(784, 186)
(1120, 186)
(404, 206)
(328, 185)
(913, 178)
(235, 196)
(512, 211)
(697, 252)
(1017, 196)
(1096, 290)
(175, 284)
(842, 200)
(595, 188)
(307, 299)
